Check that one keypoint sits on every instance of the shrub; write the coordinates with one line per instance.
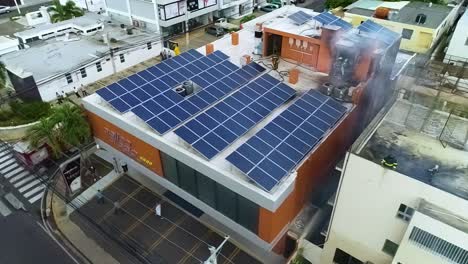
(21, 113)
(247, 18)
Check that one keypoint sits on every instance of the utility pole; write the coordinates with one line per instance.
(17, 7)
(111, 51)
(187, 37)
(214, 252)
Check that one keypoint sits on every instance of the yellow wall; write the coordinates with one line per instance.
(420, 42)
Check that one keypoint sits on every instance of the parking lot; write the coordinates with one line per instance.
(176, 237)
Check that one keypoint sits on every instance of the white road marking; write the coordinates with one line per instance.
(23, 181)
(13, 172)
(19, 176)
(29, 185)
(35, 190)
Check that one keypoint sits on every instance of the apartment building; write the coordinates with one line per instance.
(170, 17)
(218, 128)
(415, 213)
(61, 58)
(420, 24)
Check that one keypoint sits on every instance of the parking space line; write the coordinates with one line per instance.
(134, 225)
(232, 255)
(167, 233)
(196, 246)
(122, 202)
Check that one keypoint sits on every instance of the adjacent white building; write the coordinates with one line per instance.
(8, 44)
(457, 51)
(169, 16)
(60, 58)
(410, 214)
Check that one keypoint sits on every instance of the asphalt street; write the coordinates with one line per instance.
(25, 9)
(24, 241)
(316, 5)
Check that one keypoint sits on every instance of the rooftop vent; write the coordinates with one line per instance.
(382, 12)
(421, 19)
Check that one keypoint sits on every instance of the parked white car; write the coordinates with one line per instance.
(5, 9)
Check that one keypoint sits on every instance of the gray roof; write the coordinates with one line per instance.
(48, 58)
(435, 14)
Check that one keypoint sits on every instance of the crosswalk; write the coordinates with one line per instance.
(30, 187)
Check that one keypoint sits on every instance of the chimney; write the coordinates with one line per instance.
(235, 38)
(209, 48)
(293, 76)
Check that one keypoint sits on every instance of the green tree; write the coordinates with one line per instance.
(44, 132)
(3, 75)
(61, 12)
(64, 128)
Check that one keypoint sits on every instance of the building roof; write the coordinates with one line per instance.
(60, 55)
(169, 142)
(88, 19)
(441, 142)
(407, 11)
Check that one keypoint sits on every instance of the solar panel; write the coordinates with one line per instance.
(216, 82)
(275, 150)
(386, 35)
(300, 17)
(328, 19)
(215, 129)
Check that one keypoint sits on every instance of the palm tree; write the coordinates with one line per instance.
(65, 127)
(61, 12)
(3, 75)
(72, 125)
(43, 132)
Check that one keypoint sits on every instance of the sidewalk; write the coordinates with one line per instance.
(76, 236)
(73, 233)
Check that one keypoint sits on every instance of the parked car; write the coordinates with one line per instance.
(215, 31)
(5, 9)
(268, 7)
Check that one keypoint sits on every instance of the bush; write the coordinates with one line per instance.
(23, 113)
(247, 18)
(330, 4)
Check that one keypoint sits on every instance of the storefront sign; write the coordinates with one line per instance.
(71, 171)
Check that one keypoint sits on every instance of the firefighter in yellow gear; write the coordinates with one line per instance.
(176, 49)
(389, 162)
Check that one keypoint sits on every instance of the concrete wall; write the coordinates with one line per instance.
(421, 40)
(15, 132)
(458, 47)
(409, 252)
(367, 205)
(48, 89)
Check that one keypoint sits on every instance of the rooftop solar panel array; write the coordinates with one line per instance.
(383, 33)
(328, 19)
(215, 129)
(270, 155)
(149, 93)
(300, 17)
(218, 81)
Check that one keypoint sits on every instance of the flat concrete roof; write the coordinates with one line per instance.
(407, 11)
(48, 58)
(420, 140)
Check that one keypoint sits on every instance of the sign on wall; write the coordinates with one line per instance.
(71, 172)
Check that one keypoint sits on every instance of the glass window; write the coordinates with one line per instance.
(122, 58)
(247, 213)
(206, 190)
(405, 212)
(187, 178)
(98, 66)
(466, 42)
(407, 33)
(170, 168)
(226, 201)
(390, 247)
(342, 257)
(69, 78)
(83, 73)
(149, 46)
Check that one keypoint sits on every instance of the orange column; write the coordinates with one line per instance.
(235, 38)
(293, 76)
(209, 48)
